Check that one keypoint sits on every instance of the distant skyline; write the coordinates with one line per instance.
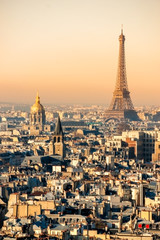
(68, 50)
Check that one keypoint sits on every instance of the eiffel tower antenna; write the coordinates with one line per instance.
(121, 28)
(121, 106)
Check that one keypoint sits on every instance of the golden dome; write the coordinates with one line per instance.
(37, 107)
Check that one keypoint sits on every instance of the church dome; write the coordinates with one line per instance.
(37, 107)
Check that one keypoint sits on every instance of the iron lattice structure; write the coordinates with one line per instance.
(121, 105)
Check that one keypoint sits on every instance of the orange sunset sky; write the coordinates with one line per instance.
(68, 50)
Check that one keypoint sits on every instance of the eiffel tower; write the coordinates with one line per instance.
(121, 106)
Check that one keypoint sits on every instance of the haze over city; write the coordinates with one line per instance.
(80, 120)
(68, 50)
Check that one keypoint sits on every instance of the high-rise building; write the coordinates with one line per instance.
(121, 106)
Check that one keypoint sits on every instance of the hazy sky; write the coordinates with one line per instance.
(68, 50)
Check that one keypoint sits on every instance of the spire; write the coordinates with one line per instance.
(58, 129)
(37, 98)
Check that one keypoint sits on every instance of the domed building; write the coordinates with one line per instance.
(37, 124)
(37, 113)
(37, 121)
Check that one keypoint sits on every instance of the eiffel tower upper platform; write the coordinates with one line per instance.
(121, 106)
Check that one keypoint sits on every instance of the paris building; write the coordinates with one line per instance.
(37, 113)
(57, 146)
(37, 124)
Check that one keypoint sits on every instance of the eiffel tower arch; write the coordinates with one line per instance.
(121, 106)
